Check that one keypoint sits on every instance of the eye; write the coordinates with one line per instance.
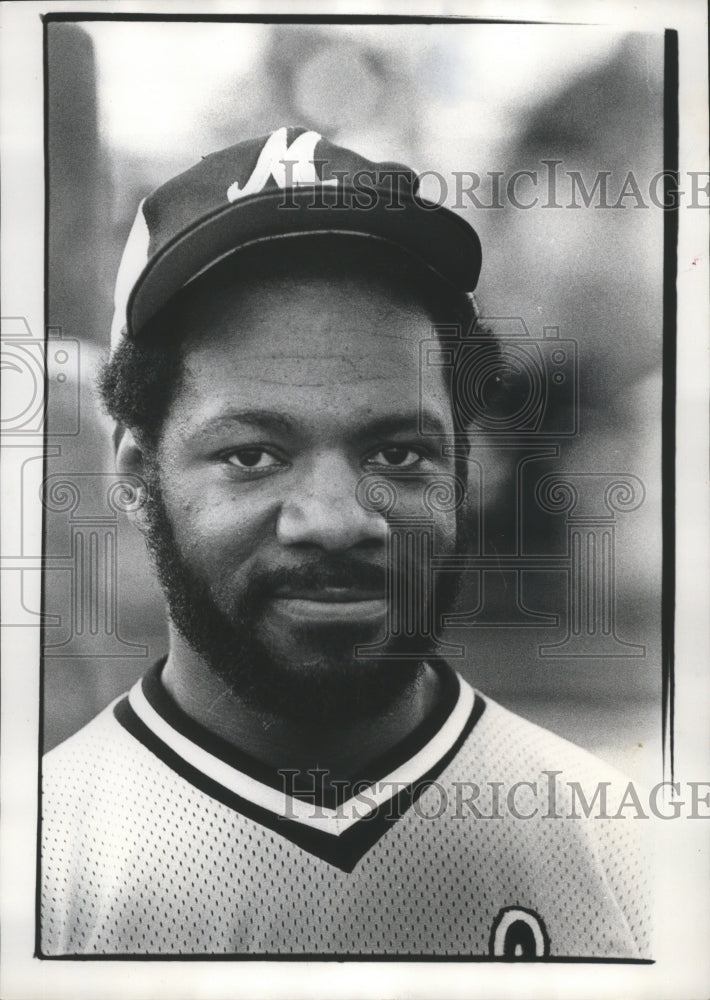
(252, 459)
(395, 457)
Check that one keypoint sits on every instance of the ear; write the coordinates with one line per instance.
(131, 461)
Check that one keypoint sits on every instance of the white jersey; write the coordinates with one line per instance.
(469, 839)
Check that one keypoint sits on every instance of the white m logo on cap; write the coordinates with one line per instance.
(288, 165)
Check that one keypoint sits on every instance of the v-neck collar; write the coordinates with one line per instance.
(337, 827)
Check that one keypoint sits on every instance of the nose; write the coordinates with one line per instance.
(323, 510)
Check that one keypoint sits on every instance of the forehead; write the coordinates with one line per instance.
(314, 344)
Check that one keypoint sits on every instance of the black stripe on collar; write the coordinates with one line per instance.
(306, 785)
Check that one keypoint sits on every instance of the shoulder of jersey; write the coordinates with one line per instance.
(503, 734)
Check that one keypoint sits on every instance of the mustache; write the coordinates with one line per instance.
(320, 572)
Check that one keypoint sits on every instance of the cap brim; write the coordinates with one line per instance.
(435, 235)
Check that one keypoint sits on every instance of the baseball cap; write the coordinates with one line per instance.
(290, 183)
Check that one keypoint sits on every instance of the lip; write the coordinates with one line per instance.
(331, 595)
(331, 605)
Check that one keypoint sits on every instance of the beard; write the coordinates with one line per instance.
(328, 681)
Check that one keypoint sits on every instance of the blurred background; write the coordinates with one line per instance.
(132, 103)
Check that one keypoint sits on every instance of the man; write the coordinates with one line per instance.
(303, 774)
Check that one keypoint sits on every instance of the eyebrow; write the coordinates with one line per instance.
(274, 421)
(425, 420)
(268, 420)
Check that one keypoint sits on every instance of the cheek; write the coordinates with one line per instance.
(213, 529)
(445, 533)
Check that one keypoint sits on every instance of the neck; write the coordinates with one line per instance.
(342, 750)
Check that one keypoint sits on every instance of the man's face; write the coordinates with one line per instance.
(293, 392)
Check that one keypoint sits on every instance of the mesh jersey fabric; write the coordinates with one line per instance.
(145, 855)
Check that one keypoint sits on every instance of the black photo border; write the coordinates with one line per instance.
(669, 397)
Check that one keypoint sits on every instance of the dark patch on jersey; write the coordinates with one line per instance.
(519, 935)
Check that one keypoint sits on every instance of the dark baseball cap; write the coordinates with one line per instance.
(290, 183)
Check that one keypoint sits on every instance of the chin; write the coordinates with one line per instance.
(321, 648)
(314, 682)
